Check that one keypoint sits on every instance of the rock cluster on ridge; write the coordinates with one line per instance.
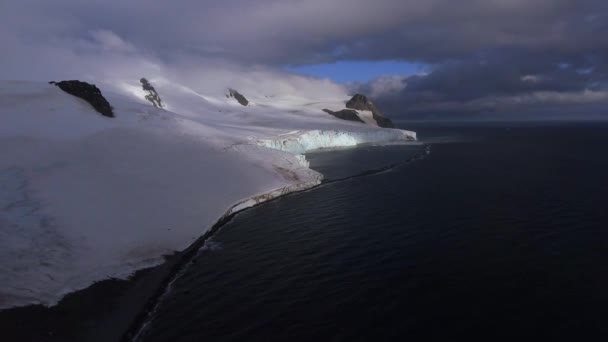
(151, 95)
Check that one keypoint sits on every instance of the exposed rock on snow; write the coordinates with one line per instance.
(361, 109)
(383, 121)
(151, 94)
(89, 93)
(345, 114)
(361, 102)
(238, 96)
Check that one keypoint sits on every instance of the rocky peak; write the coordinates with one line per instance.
(361, 102)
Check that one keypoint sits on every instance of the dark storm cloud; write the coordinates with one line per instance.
(500, 84)
(482, 54)
(289, 31)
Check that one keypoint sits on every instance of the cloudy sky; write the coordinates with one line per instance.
(418, 58)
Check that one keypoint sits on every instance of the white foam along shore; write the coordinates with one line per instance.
(85, 198)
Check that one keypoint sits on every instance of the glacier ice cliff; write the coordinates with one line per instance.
(299, 142)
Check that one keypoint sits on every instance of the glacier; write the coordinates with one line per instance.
(86, 198)
(299, 142)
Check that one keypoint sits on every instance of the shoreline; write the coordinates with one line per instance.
(126, 305)
(139, 324)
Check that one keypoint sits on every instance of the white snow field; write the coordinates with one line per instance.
(84, 197)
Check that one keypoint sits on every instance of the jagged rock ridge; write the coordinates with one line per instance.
(238, 96)
(361, 102)
(151, 95)
(345, 114)
(89, 93)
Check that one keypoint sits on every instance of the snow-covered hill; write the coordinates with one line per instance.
(85, 197)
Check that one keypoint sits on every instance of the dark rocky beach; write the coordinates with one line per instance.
(104, 311)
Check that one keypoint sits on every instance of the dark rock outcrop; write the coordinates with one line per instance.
(238, 96)
(361, 102)
(89, 93)
(345, 114)
(151, 95)
(383, 121)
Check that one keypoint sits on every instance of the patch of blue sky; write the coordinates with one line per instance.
(358, 71)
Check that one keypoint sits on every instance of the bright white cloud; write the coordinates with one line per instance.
(387, 85)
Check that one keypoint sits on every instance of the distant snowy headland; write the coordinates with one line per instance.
(86, 197)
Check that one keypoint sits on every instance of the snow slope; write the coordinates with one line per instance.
(367, 116)
(85, 198)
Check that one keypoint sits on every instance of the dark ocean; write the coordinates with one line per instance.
(496, 231)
